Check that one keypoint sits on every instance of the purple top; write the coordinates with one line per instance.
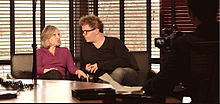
(61, 60)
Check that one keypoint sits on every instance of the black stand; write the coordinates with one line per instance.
(34, 46)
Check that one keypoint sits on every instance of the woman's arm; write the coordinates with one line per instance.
(40, 69)
(72, 67)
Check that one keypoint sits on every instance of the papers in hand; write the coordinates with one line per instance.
(106, 77)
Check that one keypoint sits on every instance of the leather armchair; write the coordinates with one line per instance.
(21, 66)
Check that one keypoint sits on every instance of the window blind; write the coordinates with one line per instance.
(81, 8)
(155, 28)
(155, 32)
(24, 25)
(135, 24)
(109, 13)
(181, 17)
(57, 14)
(4, 36)
(4, 29)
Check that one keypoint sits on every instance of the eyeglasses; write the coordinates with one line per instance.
(86, 31)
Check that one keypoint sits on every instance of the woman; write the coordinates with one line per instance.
(53, 60)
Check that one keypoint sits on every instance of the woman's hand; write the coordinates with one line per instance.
(46, 70)
(80, 74)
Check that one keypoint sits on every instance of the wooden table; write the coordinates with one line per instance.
(54, 91)
(59, 91)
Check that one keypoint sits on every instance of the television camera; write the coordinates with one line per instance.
(167, 37)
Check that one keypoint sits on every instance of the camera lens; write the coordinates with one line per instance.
(160, 42)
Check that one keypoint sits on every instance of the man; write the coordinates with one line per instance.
(101, 54)
(177, 65)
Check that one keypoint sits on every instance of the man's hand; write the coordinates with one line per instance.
(91, 68)
(88, 67)
(94, 68)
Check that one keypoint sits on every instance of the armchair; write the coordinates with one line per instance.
(140, 61)
(21, 66)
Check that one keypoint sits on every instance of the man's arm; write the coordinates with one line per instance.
(82, 61)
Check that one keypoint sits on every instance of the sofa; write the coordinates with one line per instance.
(139, 61)
(21, 65)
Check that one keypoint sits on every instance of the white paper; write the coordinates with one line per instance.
(106, 77)
(186, 99)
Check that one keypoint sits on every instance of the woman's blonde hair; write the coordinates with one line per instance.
(46, 34)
